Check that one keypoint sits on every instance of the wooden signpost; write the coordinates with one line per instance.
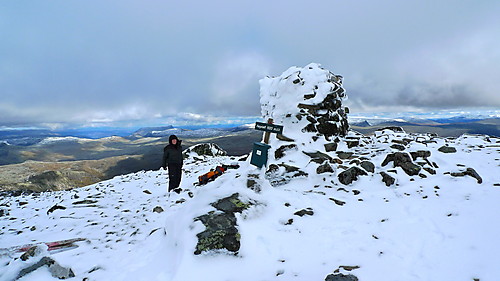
(268, 128)
(259, 153)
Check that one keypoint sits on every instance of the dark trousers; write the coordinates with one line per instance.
(174, 175)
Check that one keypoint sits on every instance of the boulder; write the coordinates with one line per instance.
(350, 175)
(55, 269)
(324, 168)
(303, 212)
(280, 174)
(231, 204)
(332, 146)
(280, 152)
(341, 277)
(447, 149)
(420, 154)
(221, 232)
(318, 157)
(344, 155)
(387, 179)
(204, 149)
(468, 172)
(158, 209)
(368, 166)
(403, 160)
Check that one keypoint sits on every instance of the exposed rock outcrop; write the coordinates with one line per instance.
(221, 227)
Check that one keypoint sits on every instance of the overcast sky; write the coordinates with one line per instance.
(104, 61)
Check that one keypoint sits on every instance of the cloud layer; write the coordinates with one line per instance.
(95, 61)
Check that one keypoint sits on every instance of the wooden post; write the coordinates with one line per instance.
(267, 134)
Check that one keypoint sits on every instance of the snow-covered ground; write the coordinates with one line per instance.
(392, 207)
(434, 228)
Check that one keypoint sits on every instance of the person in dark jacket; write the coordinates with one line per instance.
(172, 158)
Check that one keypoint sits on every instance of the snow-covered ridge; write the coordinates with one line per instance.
(52, 140)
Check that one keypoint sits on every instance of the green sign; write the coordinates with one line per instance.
(271, 128)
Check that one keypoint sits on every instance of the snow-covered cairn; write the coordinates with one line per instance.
(305, 100)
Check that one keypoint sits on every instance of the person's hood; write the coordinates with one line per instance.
(172, 137)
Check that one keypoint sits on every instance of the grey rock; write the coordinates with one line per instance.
(430, 170)
(393, 128)
(338, 202)
(368, 166)
(318, 157)
(447, 149)
(278, 177)
(398, 147)
(350, 175)
(31, 252)
(303, 212)
(220, 233)
(253, 185)
(344, 155)
(403, 160)
(331, 146)
(341, 277)
(469, 172)
(231, 204)
(55, 207)
(55, 269)
(420, 154)
(280, 152)
(324, 168)
(387, 179)
(207, 149)
(352, 142)
(158, 209)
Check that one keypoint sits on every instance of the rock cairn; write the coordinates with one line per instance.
(306, 100)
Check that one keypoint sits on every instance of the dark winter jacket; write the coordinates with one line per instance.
(172, 154)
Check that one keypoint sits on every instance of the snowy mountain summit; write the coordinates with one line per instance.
(331, 205)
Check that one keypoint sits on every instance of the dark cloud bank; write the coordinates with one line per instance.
(99, 62)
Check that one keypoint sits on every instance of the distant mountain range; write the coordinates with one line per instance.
(25, 154)
(449, 127)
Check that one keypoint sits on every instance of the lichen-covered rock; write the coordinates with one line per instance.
(220, 233)
(403, 160)
(350, 175)
(231, 204)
